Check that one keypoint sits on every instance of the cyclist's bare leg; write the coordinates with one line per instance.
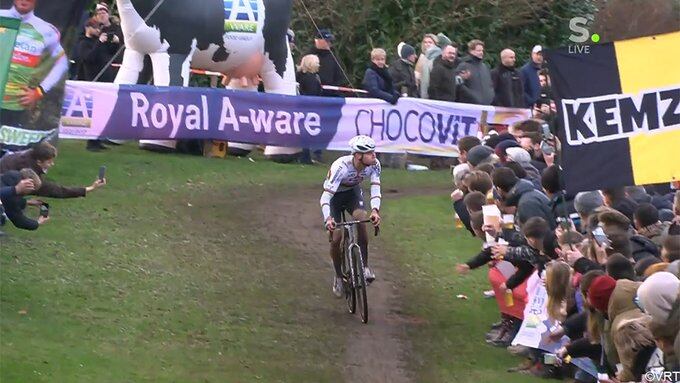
(362, 237)
(336, 253)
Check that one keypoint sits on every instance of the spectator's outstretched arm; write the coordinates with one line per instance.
(481, 259)
(53, 190)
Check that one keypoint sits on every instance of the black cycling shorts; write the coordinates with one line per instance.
(348, 200)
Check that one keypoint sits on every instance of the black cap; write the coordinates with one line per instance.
(326, 34)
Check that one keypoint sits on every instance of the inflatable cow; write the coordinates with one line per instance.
(243, 39)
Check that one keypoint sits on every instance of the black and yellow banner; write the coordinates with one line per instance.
(619, 111)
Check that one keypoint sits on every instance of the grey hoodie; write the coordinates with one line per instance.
(431, 54)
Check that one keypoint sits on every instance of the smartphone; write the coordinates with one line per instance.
(102, 173)
(547, 148)
(547, 134)
(564, 223)
(44, 210)
(601, 237)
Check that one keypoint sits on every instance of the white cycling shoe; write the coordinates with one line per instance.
(338, 287)
(368, 274)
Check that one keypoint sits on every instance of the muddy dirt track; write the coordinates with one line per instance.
(374, 352)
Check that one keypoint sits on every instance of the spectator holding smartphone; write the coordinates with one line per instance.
(40, 159)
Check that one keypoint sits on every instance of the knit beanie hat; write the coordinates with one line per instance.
(519, 155)
(600, 291)
(442, 40)
(405, 51)
(658, 293)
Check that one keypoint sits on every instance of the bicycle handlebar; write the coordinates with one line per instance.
(352, 223)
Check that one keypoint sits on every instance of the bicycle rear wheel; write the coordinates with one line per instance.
(360, 284)
(348, 279)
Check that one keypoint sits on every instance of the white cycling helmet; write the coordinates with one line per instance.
(362, 144)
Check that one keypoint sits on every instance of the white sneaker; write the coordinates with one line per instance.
(489, 294)
(338, 287)
(368, 274)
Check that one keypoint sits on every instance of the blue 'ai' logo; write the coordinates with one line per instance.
(76, 111)
(241, 16)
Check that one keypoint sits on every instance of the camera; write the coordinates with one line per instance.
(44, 210)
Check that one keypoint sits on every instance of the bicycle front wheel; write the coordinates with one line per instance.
(348, 280)
(360, 283)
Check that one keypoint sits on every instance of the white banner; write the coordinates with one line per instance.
(95, 110)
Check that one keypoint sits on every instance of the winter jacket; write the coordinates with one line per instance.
(530, 203)
(620, 309)
(519, 254)
(532, 86)
(330, 72)
(93, 55)
(13, 204)
(508, 87)
(443, 84)
(643, 247)
(310, 84)
(479, 83)
(20, 160)
(533, 174)
(378, 83)
(655, 232)
(404, 78)
(430, 55)
(561, 205)
(670, 328)
(7, 192)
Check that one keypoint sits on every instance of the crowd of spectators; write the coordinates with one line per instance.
(609, 259)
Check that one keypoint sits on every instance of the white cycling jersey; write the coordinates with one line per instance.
(343, 176)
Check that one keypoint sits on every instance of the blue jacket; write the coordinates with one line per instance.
(532, 87)
(7, 192)
(378, 83)
(530, 203)
(13, 204)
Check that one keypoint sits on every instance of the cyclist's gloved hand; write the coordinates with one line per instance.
(330, 224)
(375, 217)
(31, 97)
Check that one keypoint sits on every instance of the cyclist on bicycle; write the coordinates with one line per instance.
(342, 192)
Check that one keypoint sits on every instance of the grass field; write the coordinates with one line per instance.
(164, 276)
